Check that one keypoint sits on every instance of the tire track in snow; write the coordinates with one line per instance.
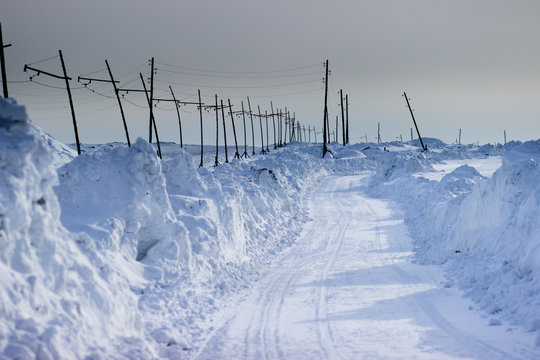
(479, 348)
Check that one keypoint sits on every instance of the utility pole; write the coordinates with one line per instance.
(414, 121)
(252, 129)
(260, 126)
(304, 127)
(245, 154)
(177, 106)
(342, 116)
(216, 162)
(3, 63)
(266, 119)
(66, 78)
(325, 148)
(151, 100)
(459, 142)
(224, 132)
(504, 136)
(347, 117)
(236, 154)
(200, 115)
(152, 120)
(411, 135)
(273, 123)
(113, 82)
(378, 133)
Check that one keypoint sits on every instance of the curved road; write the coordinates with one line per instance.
(348, 290)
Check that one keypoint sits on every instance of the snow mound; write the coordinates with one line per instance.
(48, 287)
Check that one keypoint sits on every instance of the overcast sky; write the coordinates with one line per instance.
(468, 64)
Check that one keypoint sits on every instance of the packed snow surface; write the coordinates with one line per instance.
(379, 251)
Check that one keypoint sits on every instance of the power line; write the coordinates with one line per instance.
(240, 87)
(40, 61)
(55, 87)
(239, 77)
(240, 72)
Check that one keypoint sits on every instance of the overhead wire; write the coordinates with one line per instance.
(239, 72)
(238, 87)
(238, 76)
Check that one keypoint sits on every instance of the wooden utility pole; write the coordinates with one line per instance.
(260, 126)
(347, 117)
(113, 82)
(325, 116)
(66, 78)
(245, 154)
(266, 120)
(309, 133)
(216, 162)
(200, 115)
(224, 132)
(378, 133)
(412, 135)
(414, 121)
(459, 141)
(328, 127)
(273, 123)
(237, 153)
(152, 120)
(151, 100)
(252, 129)
(504, 136)
(304, 127)
(177, 106)
(119, 102)
(3, 63)
(342, 116)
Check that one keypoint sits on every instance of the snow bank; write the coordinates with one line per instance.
(484, 230)
(49, 285)
(118, 254)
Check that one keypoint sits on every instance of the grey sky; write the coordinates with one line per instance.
(469, 64)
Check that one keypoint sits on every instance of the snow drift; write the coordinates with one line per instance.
(485, 230)
(118, 252)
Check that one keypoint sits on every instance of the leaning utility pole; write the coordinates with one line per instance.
(66, 78)
(224, 132)
(3, 63)
(236, 154)
(152, 120)
(177, 103)
(414, 121)
(177, 106)
(113, 82)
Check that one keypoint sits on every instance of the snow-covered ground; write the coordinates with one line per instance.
(381, 251)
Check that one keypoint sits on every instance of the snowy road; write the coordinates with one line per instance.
(348, 290)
